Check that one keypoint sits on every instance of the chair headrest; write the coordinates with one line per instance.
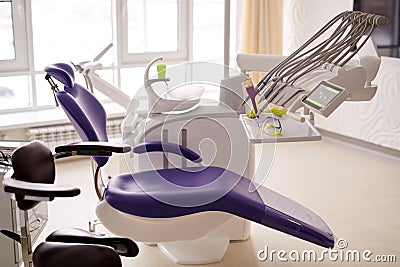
(62, 72)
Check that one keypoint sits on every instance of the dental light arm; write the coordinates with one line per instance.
(88, 70)
(160, 146)
(113, 93)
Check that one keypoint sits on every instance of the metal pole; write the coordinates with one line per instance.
(227, 34)
(26, 245)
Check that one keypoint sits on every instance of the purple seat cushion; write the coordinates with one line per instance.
(137, 193)
(145, 194)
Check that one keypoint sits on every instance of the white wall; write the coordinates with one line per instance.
(303, 18)
(376, 121)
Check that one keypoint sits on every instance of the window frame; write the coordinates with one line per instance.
(184, 36)
(23, 64)
(19, 25)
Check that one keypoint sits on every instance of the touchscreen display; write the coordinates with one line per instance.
(322, 96)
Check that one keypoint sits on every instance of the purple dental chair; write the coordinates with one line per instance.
(124, 200)
(30, 180)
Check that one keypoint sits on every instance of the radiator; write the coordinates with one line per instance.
(56, 135)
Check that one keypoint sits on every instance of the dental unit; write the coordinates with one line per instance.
(180, 204)
(163, 205)
(193, 172)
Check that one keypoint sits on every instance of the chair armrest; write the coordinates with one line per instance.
(92, 148)
(160, 146)
(28, 190)
(123, 246)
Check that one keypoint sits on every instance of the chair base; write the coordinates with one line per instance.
(163, 230)
(200, 238)
(204, 250)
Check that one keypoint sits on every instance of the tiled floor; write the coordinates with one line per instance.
(356, 191)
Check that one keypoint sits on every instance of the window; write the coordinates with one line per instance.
(6, 31)
(72, 30)
(36, 33)
(208, 34)
(154, 28)
(13, 42)
(14, 92)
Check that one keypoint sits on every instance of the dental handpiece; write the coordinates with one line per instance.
(248, 84)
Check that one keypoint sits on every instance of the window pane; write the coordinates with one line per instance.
(152, 25)
(208, 30)
(107, 75)
(14, 92)
(132, 80)
(72, 30)
(6, 32)
(43, 91)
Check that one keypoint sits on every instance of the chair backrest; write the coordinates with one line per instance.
(84, 111)
(33, 163)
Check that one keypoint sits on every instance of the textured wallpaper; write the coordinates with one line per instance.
(303, 18)
(376, 121)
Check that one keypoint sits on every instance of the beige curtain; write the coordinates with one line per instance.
(261, 31)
